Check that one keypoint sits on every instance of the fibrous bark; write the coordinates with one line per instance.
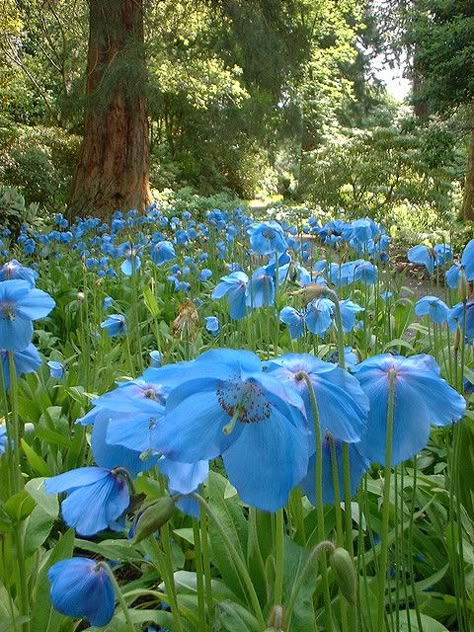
(113, 166)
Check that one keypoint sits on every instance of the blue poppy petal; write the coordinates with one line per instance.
(267, 461)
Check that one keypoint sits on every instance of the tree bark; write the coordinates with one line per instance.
(113, 166)
(468, 198)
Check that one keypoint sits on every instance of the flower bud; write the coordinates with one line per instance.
(343, 567)
(152, 518)
(276, 619)
(463, 286)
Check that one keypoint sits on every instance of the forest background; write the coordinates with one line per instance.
(108, 105)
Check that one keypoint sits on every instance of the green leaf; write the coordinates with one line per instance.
(233, 617)
(47, 502)
(35, 461)
(186, 533)
(6, 605)
(295, 558)
(186, 582)
(398, 342)
(229, 512)
(19, 506)
(408, 622)
(122, 550)
(38, 527)
(151, 302)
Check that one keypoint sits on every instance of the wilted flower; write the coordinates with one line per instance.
(186, 323)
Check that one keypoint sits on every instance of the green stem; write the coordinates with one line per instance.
(199, 577)
(279, 542)
(164, 564)
(325, 545)
(207, 564)
(120, 597)
(319, 499)
(386, 504)
(237, 560)
(15, 429)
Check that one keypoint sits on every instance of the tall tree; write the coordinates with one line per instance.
(113, 166)
(438, 36)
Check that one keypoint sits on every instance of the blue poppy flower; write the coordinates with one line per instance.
(423, 255)
(260, 290)
(115, 325)
(205, 274)
(81, 587)
(342, 405)
(14, 270)
(110, 454)
(26, 361)
(422, 398)
(212, 325)
(3, 439)
(20, 305)
(56, 369)
(107, 302)
(434, 307)
(155, 357)
(234, 286)
(162, 252)
(246, 416)
(184, 478)
(350, 358)
(97, 499)
(267, 238)
(467, 260)
(452, 276)
(443, 254)
(456, 317)
(366, 273)
(318, 315)
(358, 466)
(349, 311)
(295, 321)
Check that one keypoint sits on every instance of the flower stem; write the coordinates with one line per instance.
(386, 504)
(279, 533)
(120, 597)
(319, 500)
(239, 564)
(325, 545)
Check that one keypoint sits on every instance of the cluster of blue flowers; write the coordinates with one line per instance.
(264, 419)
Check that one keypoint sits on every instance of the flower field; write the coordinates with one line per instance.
(213, 423)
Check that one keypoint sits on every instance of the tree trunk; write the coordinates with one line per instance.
(468, 198)
(113, 167)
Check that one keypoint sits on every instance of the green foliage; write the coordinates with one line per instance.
(39, 162)
(401, 174)
(185, 199)
(14, 211)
